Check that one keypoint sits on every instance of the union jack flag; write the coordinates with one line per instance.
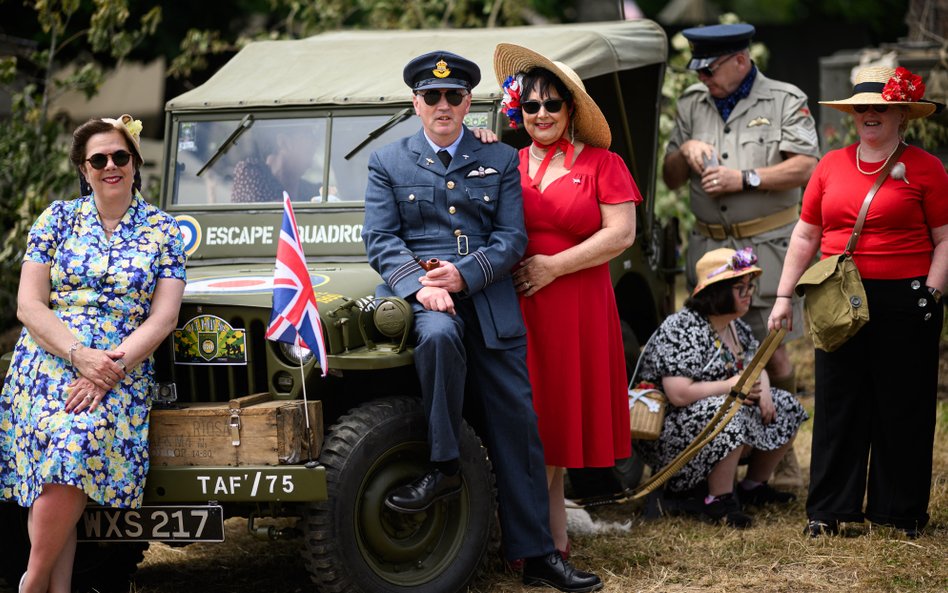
(294, 319)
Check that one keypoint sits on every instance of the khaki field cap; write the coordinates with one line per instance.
(132, 128)
(876, 85)
(590, 124)
(724, 264)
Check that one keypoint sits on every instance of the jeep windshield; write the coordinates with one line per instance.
(303, 155)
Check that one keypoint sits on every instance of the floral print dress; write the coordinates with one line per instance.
(102, 289)
(687, 346)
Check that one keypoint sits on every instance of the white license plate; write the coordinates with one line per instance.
(153, 523)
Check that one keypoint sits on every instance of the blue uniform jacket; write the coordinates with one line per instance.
(470, 214)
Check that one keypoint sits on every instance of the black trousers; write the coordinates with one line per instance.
(874, 422)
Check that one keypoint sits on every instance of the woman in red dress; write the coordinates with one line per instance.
(579, 209)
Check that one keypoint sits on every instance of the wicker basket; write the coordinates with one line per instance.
(646, 413)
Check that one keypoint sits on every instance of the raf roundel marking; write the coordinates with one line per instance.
(190, 232)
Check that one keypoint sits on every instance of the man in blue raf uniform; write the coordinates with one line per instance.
(442, 194)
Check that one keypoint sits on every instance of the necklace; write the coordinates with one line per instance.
(540, 158)
(886, 162)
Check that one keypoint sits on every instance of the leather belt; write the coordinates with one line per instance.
(748, 228)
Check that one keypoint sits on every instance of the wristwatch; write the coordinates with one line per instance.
(751, 179)
(936, 294)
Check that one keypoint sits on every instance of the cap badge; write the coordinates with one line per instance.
(441, 70)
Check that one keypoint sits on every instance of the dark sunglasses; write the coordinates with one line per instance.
(865, 108)
(433, 97)
(710, 70)
(119, 157)
(551, 106)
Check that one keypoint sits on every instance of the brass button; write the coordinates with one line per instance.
(411, 197)
(452, 209)
(450, 185)
(457, 232)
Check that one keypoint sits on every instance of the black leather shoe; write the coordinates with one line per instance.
(552, 571)
(423, 492)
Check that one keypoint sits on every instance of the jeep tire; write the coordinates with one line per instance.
(355, 544)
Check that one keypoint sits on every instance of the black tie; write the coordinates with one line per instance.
(445, 157)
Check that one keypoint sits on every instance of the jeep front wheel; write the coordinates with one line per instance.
(355, 544)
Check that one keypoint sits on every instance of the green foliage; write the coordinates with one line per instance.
(296, 19)
(35, 148)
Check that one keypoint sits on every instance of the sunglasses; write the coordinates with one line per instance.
(119, 157)
(551, 106)
(865, 108)
(710, 70)
(433, 97)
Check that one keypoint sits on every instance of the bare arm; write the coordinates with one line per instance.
(938, 271)
(683, 391)
(793, 172)
(165, 304)
(615, 236)
(804, 243)
(53, 335)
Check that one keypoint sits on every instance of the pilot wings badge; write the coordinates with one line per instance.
(482, 172)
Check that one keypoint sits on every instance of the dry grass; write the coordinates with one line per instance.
(669, 555)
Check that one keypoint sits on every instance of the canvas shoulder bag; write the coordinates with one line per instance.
(836, 306)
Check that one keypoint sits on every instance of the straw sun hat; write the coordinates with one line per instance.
(590, 124)
(724, 264)
(875, 85)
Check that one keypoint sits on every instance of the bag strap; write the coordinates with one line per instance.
(861, 219)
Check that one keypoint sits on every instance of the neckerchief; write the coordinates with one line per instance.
(561, 144)
(726, 105)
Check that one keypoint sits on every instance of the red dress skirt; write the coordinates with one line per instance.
(574, 341)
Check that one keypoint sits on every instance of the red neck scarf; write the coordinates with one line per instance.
(551, 149)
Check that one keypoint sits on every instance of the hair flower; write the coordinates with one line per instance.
(510, 104)
(904, 87)
(741, 260)
(134, 126)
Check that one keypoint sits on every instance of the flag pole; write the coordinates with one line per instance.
(309, 430)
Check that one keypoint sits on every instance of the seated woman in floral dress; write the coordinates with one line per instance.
(696, 356)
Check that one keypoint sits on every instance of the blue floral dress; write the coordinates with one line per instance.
(102, 289)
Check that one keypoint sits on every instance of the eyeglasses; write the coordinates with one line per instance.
(433, 97)
(119, 157)
(745, 289)
(710, 70)
(551, 106)
(865, 108)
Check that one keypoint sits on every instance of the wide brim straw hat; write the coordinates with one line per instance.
(589, 123)
(723, 264)
(868, 90)
(132, 129)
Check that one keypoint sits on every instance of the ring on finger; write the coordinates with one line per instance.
(714, 181)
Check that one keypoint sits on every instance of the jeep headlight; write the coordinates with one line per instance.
(392, 317)
(296, 354)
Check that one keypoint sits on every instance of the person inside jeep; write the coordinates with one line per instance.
(442, 194)
(284, 156)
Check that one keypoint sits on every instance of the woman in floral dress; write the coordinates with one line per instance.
(696, 356)
(100, 288)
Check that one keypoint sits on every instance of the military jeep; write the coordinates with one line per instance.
(303, 116)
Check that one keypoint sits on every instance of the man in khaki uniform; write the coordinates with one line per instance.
(747, 144)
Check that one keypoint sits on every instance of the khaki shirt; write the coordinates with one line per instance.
(773, 119)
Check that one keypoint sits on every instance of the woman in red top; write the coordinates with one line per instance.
(875, 395)
(579, 209)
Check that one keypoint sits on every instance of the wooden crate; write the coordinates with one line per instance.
(251, 430)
